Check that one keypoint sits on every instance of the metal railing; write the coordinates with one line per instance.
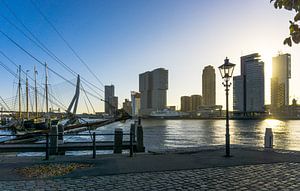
(48, 146)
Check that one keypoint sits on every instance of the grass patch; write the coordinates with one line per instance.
(50, 170)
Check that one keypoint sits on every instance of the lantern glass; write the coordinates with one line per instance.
(226, 69)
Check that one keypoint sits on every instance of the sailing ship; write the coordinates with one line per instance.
(25, 122)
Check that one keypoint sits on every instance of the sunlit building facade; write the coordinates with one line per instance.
(281, 73)
(135, 103)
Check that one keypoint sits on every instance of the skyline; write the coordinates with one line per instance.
(120, 40)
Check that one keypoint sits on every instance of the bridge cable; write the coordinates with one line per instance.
(88, 99)
(65, 41)
(39, 44)
(37, 60)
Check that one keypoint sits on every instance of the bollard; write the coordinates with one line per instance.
(140, 139)
(118, 140)
(268, 138)
(53, 140)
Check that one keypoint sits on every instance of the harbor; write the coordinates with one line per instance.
(178, 134)
(149, 95)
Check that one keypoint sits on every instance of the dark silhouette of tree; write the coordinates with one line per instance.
(291, 5)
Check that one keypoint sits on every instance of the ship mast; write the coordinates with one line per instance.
(19, 92)
(46, 89)
(35, 93)
(27, 96)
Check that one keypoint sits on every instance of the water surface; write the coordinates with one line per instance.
(169, 134)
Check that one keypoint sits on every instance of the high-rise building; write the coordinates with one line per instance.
(127, 106)
(249, 87)
(136, 103)
(196, 101)
(153, 87)
(185, 102)
(111, 101)
(281, 73)
(209, 86)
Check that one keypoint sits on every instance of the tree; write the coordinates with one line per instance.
(291, 5)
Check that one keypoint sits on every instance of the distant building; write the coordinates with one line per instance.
(249, 87)
(111, 101)
(115, 102)
(185, 102)
(172, 107)
(294, 109)
(209, 111)
(209, 86)
(153, 87)
(136, 103)
(127, 106)
(196, 101)
(281, 73)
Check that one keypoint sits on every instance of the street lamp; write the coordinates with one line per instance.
(226, 71)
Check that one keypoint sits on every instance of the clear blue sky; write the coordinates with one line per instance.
(119, 39)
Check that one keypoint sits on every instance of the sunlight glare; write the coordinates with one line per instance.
(273, 123)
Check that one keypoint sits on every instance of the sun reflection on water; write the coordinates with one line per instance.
(274, 123)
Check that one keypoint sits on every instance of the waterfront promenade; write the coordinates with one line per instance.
(188, 169)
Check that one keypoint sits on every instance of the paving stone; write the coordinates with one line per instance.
(278, 176)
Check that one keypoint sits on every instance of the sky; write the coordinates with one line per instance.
(120, 39)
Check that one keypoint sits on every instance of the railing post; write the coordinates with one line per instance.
(53, 139)
(94, 145)
(118, 140)
(132, 130)
(60, 130)
(47, 146)
(132, 135)
(139, 120)
(131, 142)
(140, 139)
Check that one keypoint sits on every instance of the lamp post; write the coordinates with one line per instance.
(226, 71)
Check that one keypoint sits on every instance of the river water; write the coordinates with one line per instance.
(170, 134)
(166, 134)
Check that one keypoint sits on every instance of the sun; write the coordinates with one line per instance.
(266, 57)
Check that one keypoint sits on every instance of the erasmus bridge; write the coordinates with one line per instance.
(40, 96)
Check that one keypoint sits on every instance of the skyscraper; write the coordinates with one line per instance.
(111, 101)
(153, 87)
(196, 101)
(281, 73)
(249, 87)
(209, 86)
(185, 102)
(136, 103)
(127, 106)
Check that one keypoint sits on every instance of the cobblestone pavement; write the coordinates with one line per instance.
(278, 176)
